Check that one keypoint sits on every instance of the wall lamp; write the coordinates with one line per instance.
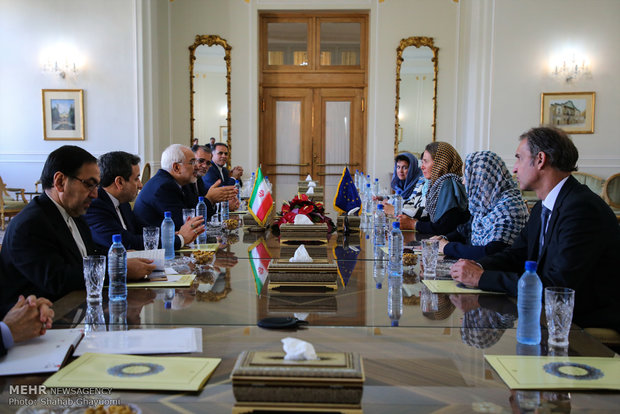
(62, 60)
(570, 67)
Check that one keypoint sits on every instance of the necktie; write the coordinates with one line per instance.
(120, 216)
(544, 218)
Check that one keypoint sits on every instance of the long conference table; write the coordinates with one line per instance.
(433, 362)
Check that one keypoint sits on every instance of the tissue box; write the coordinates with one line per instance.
(308, 233)
(305, 303)
(301, 275)
(354, 223)
(265, 377)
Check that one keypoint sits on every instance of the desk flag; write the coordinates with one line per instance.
(259, 263)
(347, 197)
(346, 258)
(261, 202)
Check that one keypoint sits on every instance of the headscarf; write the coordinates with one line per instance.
(482, 328)
(497, 208)
(407, 185)
(447, 165)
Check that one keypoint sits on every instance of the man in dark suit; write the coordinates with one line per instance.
(572, 234)
(29, 318)
(44, 244)
(218, 170)
(168, 189)
(110, 213)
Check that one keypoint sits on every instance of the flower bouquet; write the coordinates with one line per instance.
(302, 205)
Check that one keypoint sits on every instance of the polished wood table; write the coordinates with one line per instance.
(432, 362)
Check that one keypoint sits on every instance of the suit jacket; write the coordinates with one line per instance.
(104, 222)
(39, 255)
(581, 251)
(193, 191)
(3, 349)
(161, 193)
(213, 174)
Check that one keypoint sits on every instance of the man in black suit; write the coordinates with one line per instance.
(29, 318)
(44, 244)
(572, 234)
(168, 189)
(218, 170)
(110, 213)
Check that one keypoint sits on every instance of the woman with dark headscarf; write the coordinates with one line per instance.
(408, 180)
(497, 210)
(443, 191)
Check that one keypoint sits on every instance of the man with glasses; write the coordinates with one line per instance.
(215, 193)
(219, 170)
(44, 244)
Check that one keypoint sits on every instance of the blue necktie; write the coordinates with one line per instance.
(544, 218)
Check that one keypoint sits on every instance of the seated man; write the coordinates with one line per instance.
(215, 193)
(167, 190)
(44, 244)
(571, 233)
(220, 172)
(29, 318)
(110, 213)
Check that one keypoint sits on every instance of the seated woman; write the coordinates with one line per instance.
(444, 194)
(498, 212)
(407, 179)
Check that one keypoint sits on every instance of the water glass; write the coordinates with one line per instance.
(430, 251)
(559, 302)
(94, 274)
(150, 236)
(187, 213)
(94, 321)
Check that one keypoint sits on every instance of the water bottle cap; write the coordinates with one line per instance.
(168, 305)
(398, 191)
(379, 285)
(376, 179)
(368, 184)
(379, 206)
(116, 238)
(530, 266)
(236, 181)
(201, 199)
(396, 225)
(167, 214)
(394, 323)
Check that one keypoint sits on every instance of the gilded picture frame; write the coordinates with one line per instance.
(63, 114)
(571, 111)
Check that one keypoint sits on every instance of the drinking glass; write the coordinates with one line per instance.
(430, 251)
(94, 321)
(189, 213)
(94, 273)
(151, 237)
(559, 302)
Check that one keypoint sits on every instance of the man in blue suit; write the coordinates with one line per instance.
(110, 213)
(572, 234)
(218, 170)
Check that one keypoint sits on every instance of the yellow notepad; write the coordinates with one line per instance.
(174, 281)
(548, 373)
(450, 286)
(209, 247)
(130, 372)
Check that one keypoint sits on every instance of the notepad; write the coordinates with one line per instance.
(129, 372)
(174, 281)
(450, 286)
(209, 247)
(142, 341)
(42, 354)
(557, 372)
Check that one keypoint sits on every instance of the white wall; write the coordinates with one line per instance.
(109, 79)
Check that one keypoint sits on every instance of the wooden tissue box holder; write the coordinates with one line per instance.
(314, 233)
(303, 275)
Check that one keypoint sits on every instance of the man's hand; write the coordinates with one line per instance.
(138, 268)
(467, 272)
(236, 172)
(406, 222)
(29, 318)
(192, 228)
(217, 193)
(233, 204)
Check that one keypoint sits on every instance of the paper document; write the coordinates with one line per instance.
(142, 341)
(157, 256)
(131, 372)
(42, 354)
(209, 247)
(451, 286)
(176, 281)
(555, 372)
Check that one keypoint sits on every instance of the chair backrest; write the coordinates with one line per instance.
(146, 173)
(594, 182)
(611, 190)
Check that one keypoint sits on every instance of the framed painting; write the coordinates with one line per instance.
(63, 114)
(572, 112)
(224, 134)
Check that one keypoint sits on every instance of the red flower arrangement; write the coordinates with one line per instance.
(302, 205)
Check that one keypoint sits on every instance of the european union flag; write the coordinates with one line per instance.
(346, 259)
(347, 197)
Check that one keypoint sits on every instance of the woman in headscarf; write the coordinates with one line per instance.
(497, 210)
(443, 192)
(408, 180)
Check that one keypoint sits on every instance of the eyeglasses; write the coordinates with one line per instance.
(87, 183)
(203, 161)
(193, 161)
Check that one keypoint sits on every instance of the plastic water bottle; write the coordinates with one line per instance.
(167, 236)
(251, 185)
(527, 400)
(117, 270)
(118, 315)
(379, 266)
(380, 224)
(395, 249)
(397, 202)
(529, 304)
(201, 210)
(367, 199)
(375, 187)
(238, 187)
(356, 180)
(395, 299)
(268, 183)
(224, 212)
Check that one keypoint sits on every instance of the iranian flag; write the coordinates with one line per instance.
(259, 261)
(261, 203)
